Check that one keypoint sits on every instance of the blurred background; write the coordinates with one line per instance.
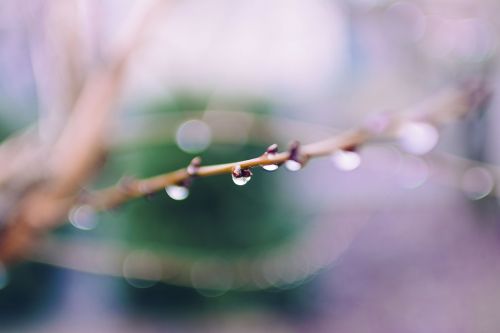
(402, 243)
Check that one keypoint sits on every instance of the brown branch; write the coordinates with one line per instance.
(445, 107)
(54, 176)
(174, 269)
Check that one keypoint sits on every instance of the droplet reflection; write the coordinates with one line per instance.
(241, 180)
(177, 192)
(241, 176)
(346, 160)
(293, 165)
(270, 167)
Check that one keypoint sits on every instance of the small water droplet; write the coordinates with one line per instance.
(418, 138)
(177, 192)
(270, 167)
(346, 160)
(293, 165)
(83, 217)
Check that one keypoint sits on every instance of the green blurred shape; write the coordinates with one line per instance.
(218, 218)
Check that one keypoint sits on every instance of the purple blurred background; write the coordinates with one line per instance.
(403, 244)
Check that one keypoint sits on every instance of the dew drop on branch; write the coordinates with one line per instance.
(241, 180)
(346, 160)
(270, 167)
(241, 176)
(293, 165)
(177, 192)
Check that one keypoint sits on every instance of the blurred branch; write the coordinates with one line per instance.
(284, 265)
(40, 183)
(53, 175)
(58, 59)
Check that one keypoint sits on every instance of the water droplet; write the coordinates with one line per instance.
(477, 183)
(177, 192)
(241, 180)
(83, 217)
(293, 165)
(241, 176)
(418, 138)
(270, 167)
(346, 160)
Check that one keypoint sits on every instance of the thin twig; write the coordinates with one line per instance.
(445, 107)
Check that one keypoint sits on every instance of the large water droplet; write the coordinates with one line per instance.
(293, 165)
(270, 167)
(241, 180)
(177, 192)
(346, 160)
(418, 138)
(241, 176)
(83, 217)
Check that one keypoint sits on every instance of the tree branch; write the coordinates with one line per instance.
(443, 108)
